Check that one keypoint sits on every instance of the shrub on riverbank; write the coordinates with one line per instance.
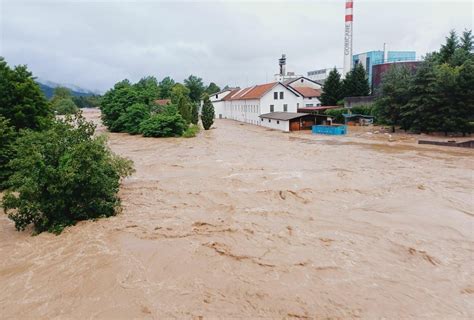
(63, 175)
(163, 125)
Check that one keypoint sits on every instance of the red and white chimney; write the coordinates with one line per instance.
(348, 37)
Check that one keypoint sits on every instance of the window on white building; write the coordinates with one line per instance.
(285, 107)
(281, 95)
(275, 95)
(278, 122)
(309, 104)
(272, 108)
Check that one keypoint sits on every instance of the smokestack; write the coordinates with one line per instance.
(348, 37)
(385, 53)
(282, 63)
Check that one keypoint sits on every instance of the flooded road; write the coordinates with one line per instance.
(245, 222)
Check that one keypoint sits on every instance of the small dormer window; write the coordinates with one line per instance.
(217, 96)
(302, 80)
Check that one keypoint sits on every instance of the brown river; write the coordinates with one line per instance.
(243, 222)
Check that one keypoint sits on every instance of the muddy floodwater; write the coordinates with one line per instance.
(244, 222)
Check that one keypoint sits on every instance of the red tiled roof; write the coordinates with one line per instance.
(308, 92)
(231, 94)
(255, 92)
(162, 102)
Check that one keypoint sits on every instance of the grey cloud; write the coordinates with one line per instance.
(96, 43)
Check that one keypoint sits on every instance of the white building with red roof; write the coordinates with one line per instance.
(249, 104)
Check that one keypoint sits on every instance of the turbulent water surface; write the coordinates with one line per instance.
(246, 222)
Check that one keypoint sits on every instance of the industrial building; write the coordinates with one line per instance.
(373, 58)
(321, 75)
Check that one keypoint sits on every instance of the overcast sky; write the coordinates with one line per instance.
(94, 44)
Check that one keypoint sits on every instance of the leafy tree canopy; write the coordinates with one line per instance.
(212, 88)
(21, 99)
(195, 86)
(63, 175)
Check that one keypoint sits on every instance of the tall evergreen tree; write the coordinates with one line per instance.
(465, 96)
(447, 50)
(356, 84)
(394, 94)
(467, 41)
(419, 114)
(207, 114)
(332, 89)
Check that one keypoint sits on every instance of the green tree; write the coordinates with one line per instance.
(64, 106)
(332, 89)
(133, 117)
(356, 84)
(447, 50)
(465, 97)
(420, 113)
(394, 94)
(166, 85)
(467, 41)
(7, 140)
(87, 101)
(179, 91)
(194, 113)
(184, 108)
(195, 86)
(115, 102)
(207, 114)
(21, 100)
(147, 90)
(63, 175)
(166, 124)
(212, 88)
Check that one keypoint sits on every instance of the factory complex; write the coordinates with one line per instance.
(291, 102)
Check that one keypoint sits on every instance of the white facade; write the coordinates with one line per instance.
(217, 102)
(321, 74)
(283, 125)
(246, 105)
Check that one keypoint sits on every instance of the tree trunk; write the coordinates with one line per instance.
(393, 129)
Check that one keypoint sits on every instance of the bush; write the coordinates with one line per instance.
(163, 125)
(336, 114)
(7, 138)
(63, 175)
(191, 131)
(133, 116)
(65, 106)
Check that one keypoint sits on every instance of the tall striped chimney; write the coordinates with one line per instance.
(348, 38)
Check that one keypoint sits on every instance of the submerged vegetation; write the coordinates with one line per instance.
(134, 108)
(55, 172)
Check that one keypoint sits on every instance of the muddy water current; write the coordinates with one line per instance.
(244, 222)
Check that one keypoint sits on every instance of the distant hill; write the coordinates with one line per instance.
(48, 89)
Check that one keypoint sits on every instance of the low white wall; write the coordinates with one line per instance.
(276, 124)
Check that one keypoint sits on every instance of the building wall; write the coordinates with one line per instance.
(289, 98)
(276, 124)
(371, 58)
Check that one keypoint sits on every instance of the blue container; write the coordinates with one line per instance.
(332, 130)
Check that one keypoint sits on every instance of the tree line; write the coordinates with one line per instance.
(438, 97)
(137, 108)
(336, 89)
(54, 172)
